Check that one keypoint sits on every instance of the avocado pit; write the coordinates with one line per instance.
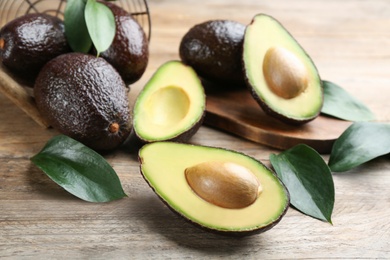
(224, 184)
(284, 72)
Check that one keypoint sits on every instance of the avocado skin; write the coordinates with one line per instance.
(185, 136)
(276, 115)
(243, 233)
(81, 96)
(181, 138)
(30, 41)
(214, 49)
(129, 51)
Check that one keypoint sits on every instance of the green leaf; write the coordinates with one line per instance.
(360, 143)
(101, 25)
(79, 170)
(75, 27)
(308, 179)
(339, 103)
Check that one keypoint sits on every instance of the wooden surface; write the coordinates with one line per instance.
(236, 111)
(348, 40)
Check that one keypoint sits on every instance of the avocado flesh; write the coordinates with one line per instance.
(171, 105)
(163, 165)
(262, 34)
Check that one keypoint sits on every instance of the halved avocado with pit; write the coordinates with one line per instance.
(281, 76)
(217, 189)
(171, 106)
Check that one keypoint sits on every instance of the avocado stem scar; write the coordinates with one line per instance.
(2, 43)
(113, 128)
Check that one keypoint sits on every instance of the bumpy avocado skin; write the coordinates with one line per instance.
(214, 49)
(82, 96)
(30, 41)
(129, 51)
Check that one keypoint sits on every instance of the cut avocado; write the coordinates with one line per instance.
(282, 77)
(168, 167)
(171, 106)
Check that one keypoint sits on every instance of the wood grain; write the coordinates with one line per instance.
(347, 40)
(21, 96)
(236, 112)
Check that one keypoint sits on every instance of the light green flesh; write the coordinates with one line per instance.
(264, 33)
(172, 102)
(163, 165)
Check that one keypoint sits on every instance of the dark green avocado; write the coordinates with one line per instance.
(214, 49)
(28, 42)
(129, 51)
(84, 97)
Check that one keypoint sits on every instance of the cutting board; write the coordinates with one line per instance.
(233, 111)
(236, 112)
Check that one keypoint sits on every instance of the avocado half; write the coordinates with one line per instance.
(164, 166)
(171, 106)
(281, 76)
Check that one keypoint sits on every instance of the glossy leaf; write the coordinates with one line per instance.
(76, 30)
(79, 170)
(360, 143)
(339, 103)
(308, 179)
(101, 24)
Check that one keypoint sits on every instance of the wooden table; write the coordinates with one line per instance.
(350, 43)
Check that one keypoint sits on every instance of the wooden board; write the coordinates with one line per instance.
(236, 112)
(21, 95)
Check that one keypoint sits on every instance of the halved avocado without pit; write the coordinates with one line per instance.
(220, 190)
(171, 106)
(282, 77)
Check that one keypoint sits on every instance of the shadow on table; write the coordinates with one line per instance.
(160, 219)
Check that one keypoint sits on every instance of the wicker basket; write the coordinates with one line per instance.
(11, 9)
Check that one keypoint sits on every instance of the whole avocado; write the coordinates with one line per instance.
(214, 49)
(129, 51)
(28, 42)
(84, 97)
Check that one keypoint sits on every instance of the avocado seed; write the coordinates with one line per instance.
(284, 72)
(224, 184)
